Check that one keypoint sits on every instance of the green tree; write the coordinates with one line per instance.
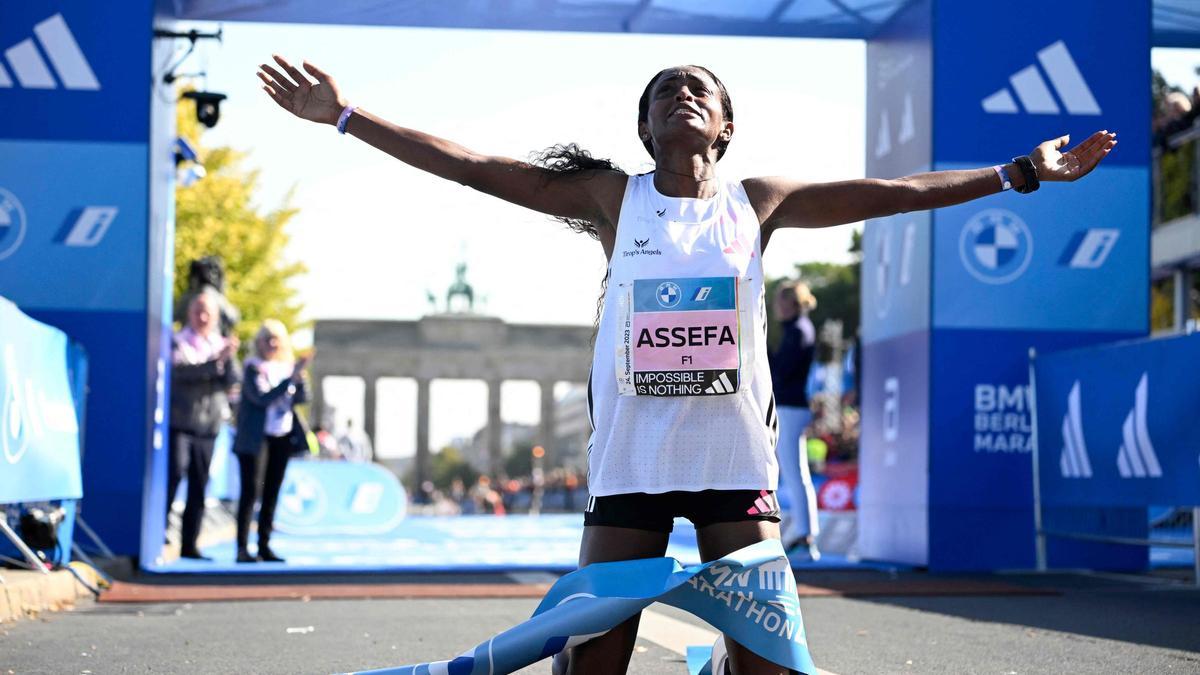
(216, 216)
(445, 466)
(836, 287)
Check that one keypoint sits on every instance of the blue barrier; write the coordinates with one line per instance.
(43, 381)
(345, 498)
(1114, 427)
(1116, 424)
(39, 417)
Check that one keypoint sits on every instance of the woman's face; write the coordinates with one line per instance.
(684, 108)
(202, 314)
(269, 345)
(786, 307)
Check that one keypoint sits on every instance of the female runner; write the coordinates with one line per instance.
(683, 419)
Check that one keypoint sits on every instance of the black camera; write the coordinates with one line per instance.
(208, 106)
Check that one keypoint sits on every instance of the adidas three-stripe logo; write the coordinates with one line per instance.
(1136, 458)
(1035, 95)
(60, 47)
(721, 385)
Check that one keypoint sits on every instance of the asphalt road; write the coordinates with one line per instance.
(1092, 626)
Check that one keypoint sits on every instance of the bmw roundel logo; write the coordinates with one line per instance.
(302, 498)
(12, 223)
(668, 294)
(995, 246)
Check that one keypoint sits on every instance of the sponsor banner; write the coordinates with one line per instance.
(982, 409)
(40, 374)
(900, 95)
(749, 595)
(895, 276)
(894, 468)
(679, 337)
(1006, 80)
(1116, 424)
(75, 70)
(73, 225)
(344, 498)
(115, 441)
(1068, 257)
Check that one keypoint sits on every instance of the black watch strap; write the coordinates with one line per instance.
(1028, 172)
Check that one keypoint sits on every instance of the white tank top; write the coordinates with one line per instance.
(680, 391)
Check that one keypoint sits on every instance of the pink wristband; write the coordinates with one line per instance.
(344, 118)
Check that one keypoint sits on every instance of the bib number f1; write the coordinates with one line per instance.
(680, 337)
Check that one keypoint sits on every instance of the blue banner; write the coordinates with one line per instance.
(1006, 79)
(39, 419)
(750, 595)
(75, 70)
(1116, 424)
(343, 498)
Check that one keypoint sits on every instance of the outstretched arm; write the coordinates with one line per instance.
(781, 202)
(597, 200)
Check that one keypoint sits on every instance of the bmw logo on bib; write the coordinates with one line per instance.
(669, 294)
(995, 246)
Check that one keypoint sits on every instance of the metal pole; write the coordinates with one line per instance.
(35, 563)
(1039, 540)
(1196, 545)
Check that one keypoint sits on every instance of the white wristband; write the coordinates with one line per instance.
(1005, 181)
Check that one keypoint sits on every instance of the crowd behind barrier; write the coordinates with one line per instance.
(43, 381)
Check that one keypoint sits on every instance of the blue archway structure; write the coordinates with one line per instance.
(951, 301)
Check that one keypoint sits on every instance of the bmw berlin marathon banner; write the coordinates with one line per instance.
(749, 595)
(681, 337)
(1117, 424)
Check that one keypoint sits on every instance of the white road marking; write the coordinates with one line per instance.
(675, 635)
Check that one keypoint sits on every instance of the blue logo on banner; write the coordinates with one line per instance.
(1116, 425)
(74, 64)
(12, 223)
(995, 246)
(669, 294)
(685, 294)
(1009, 82)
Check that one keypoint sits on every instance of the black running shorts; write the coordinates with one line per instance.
(657, 512)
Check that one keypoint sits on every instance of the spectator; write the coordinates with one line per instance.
(202, 373)
(272, 385)
(355, 445)
(790, 364)
(208, 273)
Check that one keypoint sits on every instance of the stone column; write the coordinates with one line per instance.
(494, 428)
(317, 394)
(371, 380)
(546, 423)
(422, 455)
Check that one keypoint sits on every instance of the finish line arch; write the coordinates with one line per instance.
(88, 162)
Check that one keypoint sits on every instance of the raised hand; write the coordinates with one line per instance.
(1053, 165)
(320, 102)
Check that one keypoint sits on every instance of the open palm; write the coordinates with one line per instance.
(295, 93)
(1053, 165)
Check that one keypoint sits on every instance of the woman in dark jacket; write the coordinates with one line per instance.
(789, 375)
(202, 372)
(272, 384)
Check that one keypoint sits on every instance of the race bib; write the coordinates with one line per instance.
(682, 337)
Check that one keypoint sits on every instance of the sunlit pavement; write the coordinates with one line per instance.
(1086, 624)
